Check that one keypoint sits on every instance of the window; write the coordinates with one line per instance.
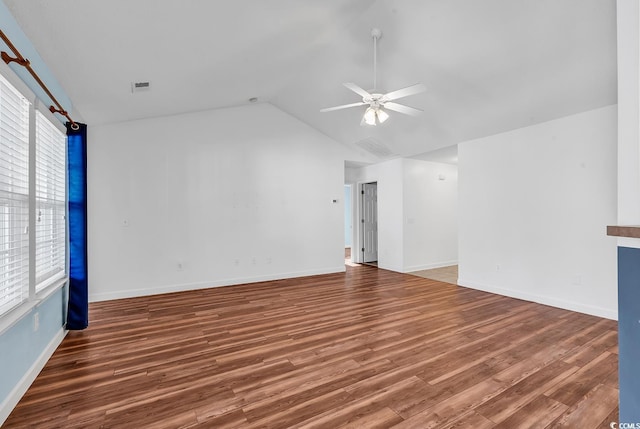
(50, 202)
(14, 197)
(32, 202)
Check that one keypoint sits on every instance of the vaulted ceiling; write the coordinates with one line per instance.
(489, 66)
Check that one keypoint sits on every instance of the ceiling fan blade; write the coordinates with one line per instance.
(401, 108)
(405, 92)
(355, 88)
(344, 106)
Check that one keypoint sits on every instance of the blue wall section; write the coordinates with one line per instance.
(20, 346)
(629, 333)
(347, 216)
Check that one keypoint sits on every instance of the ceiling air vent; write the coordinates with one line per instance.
(376, 148)
(140, 86)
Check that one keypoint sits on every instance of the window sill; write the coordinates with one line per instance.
(51, 286)
(8, 320)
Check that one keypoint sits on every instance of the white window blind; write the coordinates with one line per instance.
(14, 197)
(50, 202)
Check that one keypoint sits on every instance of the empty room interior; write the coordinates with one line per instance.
(354, 213)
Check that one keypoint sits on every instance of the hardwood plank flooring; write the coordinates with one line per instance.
(365, 349)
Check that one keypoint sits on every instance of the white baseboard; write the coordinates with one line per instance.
(132, 293)
(23, 385)
(429, 266)
(541, 299)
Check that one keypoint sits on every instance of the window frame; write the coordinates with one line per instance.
(12, 316)
(55, 205)
(14, 167)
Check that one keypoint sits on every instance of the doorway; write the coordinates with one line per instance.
(369, 222)
(348, 224)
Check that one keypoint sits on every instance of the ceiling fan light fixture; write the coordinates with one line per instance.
(382, 115)
(370, 116)
(374, 116)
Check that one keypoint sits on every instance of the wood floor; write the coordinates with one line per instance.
(365, 349)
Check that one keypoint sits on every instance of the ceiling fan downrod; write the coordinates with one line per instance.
(376, 34)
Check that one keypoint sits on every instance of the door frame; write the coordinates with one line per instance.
(358, 213)
(352, 217)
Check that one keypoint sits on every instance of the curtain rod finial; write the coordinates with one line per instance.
(52, 109)
(21, 61)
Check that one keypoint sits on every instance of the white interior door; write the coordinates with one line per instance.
(370, 222)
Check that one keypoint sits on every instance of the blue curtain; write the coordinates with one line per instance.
(78, 307)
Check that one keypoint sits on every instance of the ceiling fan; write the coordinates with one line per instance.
(375, 113)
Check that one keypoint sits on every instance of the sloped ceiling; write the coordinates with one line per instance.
(489, 66)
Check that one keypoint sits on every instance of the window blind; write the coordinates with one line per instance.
(14, 197)
(50, 202)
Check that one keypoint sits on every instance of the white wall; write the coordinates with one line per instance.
(417, 226)
(533, 208)
(628, 116)
(430, 215)
(211, 198)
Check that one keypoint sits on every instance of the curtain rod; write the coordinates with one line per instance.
(20, 60)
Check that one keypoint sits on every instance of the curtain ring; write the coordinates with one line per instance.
(75, 126)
